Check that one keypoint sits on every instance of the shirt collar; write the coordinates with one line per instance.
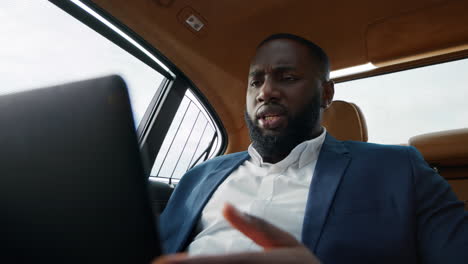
(303, 153)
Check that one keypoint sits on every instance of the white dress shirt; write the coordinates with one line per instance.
(275, 192)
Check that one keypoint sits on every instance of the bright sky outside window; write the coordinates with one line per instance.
(191, 133)
(400, 105)
(43, 45)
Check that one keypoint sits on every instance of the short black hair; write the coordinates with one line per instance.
(315, 50)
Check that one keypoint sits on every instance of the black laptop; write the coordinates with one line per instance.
(72, 188)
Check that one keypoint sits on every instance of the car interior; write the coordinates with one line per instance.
(204, 47)
(392, 35)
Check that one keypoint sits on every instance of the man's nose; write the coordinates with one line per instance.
(268, 92)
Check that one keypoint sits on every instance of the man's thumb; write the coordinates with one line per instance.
(260, 231)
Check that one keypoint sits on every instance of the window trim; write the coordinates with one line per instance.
(421, 63)
(164, 114)
(168, 97)
(96, 25)
(152, 109)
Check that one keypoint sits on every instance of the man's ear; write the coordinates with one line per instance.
(327, 93)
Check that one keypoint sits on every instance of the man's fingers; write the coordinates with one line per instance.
(284, 248)
(260, 231)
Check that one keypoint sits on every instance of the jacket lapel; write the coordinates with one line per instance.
(203, 192)
(331, 165)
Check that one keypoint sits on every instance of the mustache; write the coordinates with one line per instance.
(271, 108)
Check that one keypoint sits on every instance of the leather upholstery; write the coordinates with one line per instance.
(444, 148)
(159, 194)
(447, 152)
(345, 121)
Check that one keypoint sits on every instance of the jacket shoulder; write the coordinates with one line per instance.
(217, 161)
(365, 148)
(204, 169)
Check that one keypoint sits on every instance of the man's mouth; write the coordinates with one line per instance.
(272, 116)
(269, 118)
(270, 121)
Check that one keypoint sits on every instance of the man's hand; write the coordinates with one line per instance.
(280, 247)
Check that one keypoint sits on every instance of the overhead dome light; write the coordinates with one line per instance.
(352, 70)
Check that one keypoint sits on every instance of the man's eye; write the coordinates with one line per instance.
(289, 78)
(254, 83)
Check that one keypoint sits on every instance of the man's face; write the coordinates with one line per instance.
(283, 96)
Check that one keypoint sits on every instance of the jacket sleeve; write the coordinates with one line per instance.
(442, 222)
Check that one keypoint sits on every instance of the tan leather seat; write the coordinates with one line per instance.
(447, 152)
(345, 121)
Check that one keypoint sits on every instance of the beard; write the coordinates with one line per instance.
(298, 130)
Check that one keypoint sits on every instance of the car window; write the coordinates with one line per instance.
(192, 138)
(403, 104)
(42, 45)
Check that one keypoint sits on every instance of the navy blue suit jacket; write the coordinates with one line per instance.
(367, 203)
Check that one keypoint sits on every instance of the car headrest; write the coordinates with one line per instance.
(345, 121)
(444, 148)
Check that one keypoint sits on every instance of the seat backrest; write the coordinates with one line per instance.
(447, 152)
(159, 194)
(345, 121)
